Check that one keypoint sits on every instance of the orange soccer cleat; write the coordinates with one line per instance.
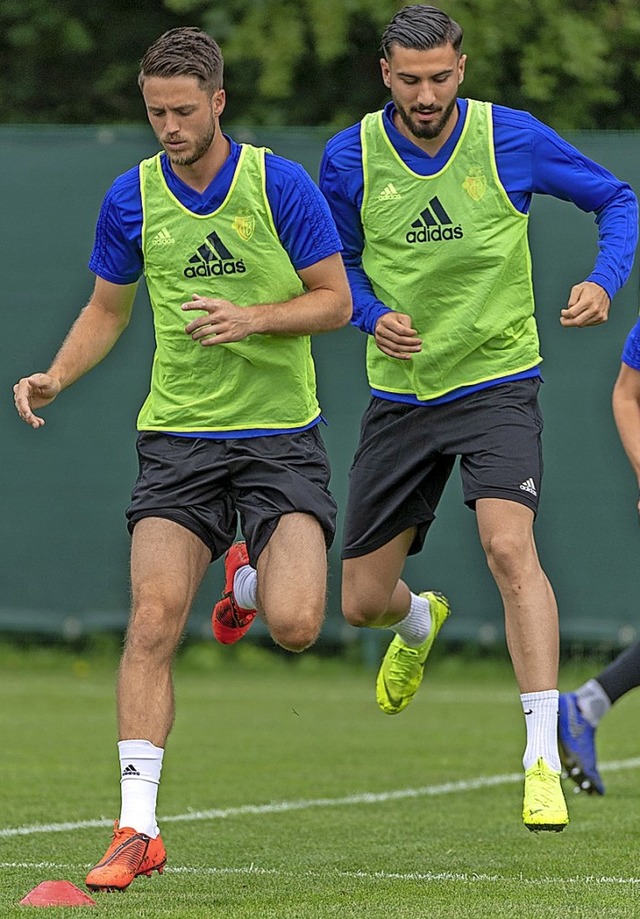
(129, 855)
(230, 621)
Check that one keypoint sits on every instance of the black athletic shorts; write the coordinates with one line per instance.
(407, 452)
(209, 486)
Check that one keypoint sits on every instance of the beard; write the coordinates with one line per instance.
(202, 144)
(425, 131)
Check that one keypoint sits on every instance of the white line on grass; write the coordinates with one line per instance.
(280, 807)
(353, 875)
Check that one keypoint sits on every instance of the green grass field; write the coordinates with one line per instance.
(287, 794)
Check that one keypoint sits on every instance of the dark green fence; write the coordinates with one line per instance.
(63, 489)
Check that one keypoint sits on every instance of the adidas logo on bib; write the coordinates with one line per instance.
(433, 225)
(213, 258)
(389, 193)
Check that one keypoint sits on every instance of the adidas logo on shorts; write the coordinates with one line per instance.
(529, 485)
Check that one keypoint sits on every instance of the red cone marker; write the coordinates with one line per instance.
(57, 893)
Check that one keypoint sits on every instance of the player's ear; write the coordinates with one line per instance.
(219, 100)
(386, 72)
(462, 64)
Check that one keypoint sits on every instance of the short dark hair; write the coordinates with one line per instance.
(185, 51)
(421, 28)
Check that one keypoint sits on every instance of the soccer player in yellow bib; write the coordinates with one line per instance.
(431, 197)
(242, 263)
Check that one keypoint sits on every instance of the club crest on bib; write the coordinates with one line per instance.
(244, 227)
(475, 183)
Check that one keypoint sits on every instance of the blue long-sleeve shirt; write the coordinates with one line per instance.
(531, 159)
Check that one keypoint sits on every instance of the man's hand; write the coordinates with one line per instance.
(395, 336)
(33, 392)
(588, 305)
(224, 321)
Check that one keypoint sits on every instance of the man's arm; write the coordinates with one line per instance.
(626, 411)
(342, 186)
(561, 170)
(325, 305)
(89, 340)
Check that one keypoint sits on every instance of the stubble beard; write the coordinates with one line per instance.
(202, 145)
(425, 131)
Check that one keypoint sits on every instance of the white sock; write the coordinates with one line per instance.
(245, 587)
(593, 702)
(416, 625)
(541, 718)
(140, 768)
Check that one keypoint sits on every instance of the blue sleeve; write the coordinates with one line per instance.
(117, 248)
(342, 183)
(533, 159)
(631, 350)
(301, 215)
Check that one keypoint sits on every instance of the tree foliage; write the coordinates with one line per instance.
(573, 63)
(75, 62)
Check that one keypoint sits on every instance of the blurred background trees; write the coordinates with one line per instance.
(573, 63)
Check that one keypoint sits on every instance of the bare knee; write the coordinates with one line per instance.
(364, 604)
(362, 611)
(296, 632)
(509, 555)
(152, 633)
(373, 593)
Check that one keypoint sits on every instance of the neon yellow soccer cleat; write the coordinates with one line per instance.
(544, 806)
(402, 667)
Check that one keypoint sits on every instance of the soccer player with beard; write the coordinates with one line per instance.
(431, 197)
(242, 263)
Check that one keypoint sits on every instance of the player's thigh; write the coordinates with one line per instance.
(168, 563)
(368, 581)
(292, 572)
